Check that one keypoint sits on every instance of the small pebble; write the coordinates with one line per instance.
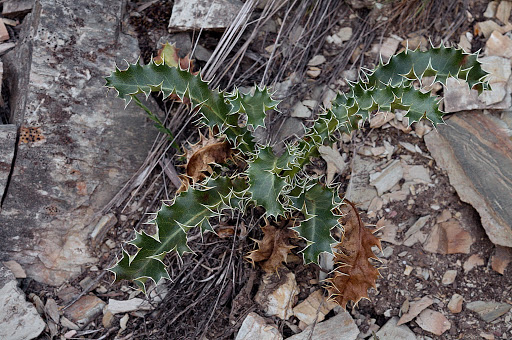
(111, 244)
(455, 304)
(449, 277)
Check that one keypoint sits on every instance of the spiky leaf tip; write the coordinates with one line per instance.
(254, 104)
(265, 182)
(440, 62)
(318, 208)
(189, 209)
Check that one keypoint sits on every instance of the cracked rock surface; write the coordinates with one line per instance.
(77, 147)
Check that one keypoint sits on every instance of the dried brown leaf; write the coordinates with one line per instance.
(354, 273)
(273, 249)
(209, 150)
(168, 54)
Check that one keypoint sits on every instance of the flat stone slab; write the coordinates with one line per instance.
(7, 146)
(13, 8)
(477, 154)
(359, 190)
(390, 331)
(458, 96)
(255, 327)
(339, 327)
(77, 146)
(489, 310)
(206, 14)
(19, 319)
(387, 178)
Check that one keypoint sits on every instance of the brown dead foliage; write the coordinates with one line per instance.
(274, 248)
(200, 156)
(354, 274)
(168, 54)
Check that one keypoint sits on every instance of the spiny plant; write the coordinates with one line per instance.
(299, 205)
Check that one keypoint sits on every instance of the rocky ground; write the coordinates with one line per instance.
(441, 198)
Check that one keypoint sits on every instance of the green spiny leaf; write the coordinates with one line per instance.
(190, 208)
(317, 205)
(212, 105)
(323, 128)
(255, 106)
(441, 62)
(265, 182)
(132, 268)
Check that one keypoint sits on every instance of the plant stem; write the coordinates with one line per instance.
(158, 123)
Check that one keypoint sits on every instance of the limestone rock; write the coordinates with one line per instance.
(455, 304)
(465, 43)
(489, 310)
(487, 27)
(197, 14)
(433, 322)
(339, 327)
(65, 322)
(52, 310)
(314, 308)
(77, 146)
(416, 173)
(387, 231)
(490, 11)
(85, 309)
(501, 259)
(277, 293)
(14, 8)
(414, 233)
(415, 308)
(7, 143)
(449, 238)
(291, 127)
(300, 111)
(118, 306)
(4, 34)
(255, 327)
(5, 47)
(449, 277)
(359, 190)
(459, 97)
(344, 34)
(182, 41)
(107, 319)
(474, 261)
(499, 45)
(503, 11)
(16, 269)
(316, 60)
(387, 178)
(388, 48)
(468, 146)
(390, 331)
(19, 319)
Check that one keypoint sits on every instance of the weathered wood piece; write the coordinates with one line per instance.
(477, 154)
(77, 146)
